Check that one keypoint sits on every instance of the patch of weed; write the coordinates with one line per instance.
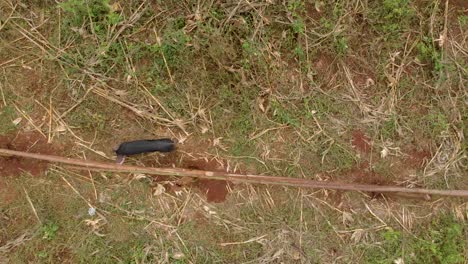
(338, 10)
(341, 45)
(300, 54)
(326, 24)
(283, 115)
(7, 115)
(391, 17)
(178, 105)
(337, 157)
(159, 88)
(382, 167)
(126, 251)
(42, 254)
(436, 122)
(137, 253)
(463, 20)
(173, 45)
(49, 231)
(217, 13)
(84, 20)
(226, 94)
(464, 123)
(322, 106)
(200, 239)
(389, 127)
(248, 52)
(81, 12)
(295, 5)
(249, 48)
(428, 53)
(443, 241)
(298, 25)
(88, 116)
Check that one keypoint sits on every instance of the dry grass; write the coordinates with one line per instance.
(259, 86)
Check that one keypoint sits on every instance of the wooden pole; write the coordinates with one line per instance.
(237, 178)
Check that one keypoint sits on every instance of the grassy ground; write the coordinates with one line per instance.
(352, 91)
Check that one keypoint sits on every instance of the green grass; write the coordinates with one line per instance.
(428, 53)
(393, 17)
(7, 115)
(336, 156)
(389, 127)
(444, 242)
(437, 123)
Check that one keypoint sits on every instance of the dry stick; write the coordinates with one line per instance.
(32, 205)
(240, 178)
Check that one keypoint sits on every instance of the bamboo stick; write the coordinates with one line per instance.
(236, 178)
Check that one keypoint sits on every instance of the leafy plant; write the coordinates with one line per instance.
(282, 115)
(298, 25)
(42, 254)
(392, 16)
(97, 12)
(172, 47)
(436, 122)
(428, 53)
(341, 45)
(49, 231)
(463, 20)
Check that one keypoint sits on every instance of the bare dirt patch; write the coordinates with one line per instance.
(324, 64)
(7, 193)
(460, 4)
(363, 174)
(29, 142)
(361, 142)
(215, 190)
(362, 74)
(312, 12)
(416, 159)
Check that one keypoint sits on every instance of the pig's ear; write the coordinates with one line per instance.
(120, 159)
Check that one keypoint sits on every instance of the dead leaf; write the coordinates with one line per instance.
(60, 128)
(139, 176)
(217, 142)
(319, 5)
(121, 92)
(347, 218)
(204, 129)
(159, 190)
(178, 255)
(181, 139)
(260, 104)
(116, 7)
(370, 82)
(357, 235)
(384, 152)
(17, 121)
